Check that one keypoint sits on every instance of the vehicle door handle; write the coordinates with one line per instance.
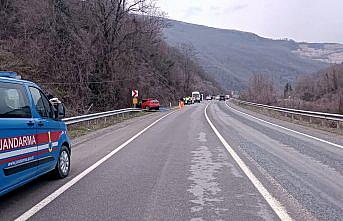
(30, 123)
(40, 123)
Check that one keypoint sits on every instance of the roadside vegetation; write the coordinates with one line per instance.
(322, 91)
(91, 53)
(81, 129)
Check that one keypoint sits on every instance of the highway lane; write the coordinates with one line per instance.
(305, 175)
(86, 151)
(179, 170)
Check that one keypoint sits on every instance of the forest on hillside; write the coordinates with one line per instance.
(322, 91)
(91, 53)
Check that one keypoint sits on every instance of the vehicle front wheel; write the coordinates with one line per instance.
(63, 164)
(147, 108)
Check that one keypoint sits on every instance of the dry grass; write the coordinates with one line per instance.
(325, 125)
(84, 128)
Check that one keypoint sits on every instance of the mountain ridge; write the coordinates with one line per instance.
(232, 56)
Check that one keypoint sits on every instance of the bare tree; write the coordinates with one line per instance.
(261, 90)
(91, 52)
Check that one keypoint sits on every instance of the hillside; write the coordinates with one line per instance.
(322, 91)
(232, 57)
(329, 53)
(92, 55)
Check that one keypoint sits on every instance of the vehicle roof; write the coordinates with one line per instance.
(17, 81)
(149, 99)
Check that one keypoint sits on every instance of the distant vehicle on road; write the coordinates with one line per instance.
(187, 100)
(227, 97)
(196, 97)
(217, 97)
(222, 97)
(33, 139)
(150, 104)
(208, 98)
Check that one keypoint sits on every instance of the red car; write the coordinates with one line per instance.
(150, 104)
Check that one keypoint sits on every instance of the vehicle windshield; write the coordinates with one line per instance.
(13, 102)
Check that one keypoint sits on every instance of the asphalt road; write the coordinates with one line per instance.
(178, 169)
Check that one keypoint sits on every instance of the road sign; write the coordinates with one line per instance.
(134, 93)
(135, 101)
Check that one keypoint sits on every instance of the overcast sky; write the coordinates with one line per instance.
(301, 20)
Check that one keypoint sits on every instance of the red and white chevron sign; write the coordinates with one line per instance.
(134, 93)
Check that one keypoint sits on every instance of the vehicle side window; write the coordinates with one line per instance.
(48, 106)
(13, 101)
(41, 102)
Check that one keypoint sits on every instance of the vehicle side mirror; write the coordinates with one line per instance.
(58, 107)
(60, 113)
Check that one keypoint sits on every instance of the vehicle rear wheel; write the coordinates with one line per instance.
(147, 108)
(63, 164)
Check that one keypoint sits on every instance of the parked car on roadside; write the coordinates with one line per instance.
(150, 104)
(208, 98)
(222, 97)
(187, 100)
(33, 137)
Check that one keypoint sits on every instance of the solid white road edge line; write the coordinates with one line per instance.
(285, 128)
(35, 209)
(274, 204)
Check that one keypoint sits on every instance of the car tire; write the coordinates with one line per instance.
(147, 108)
(62, 168)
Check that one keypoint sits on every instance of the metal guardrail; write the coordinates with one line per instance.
(320, 115)
(88, 117)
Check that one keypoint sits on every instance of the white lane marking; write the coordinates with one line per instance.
(285, 128)
(35, 209)
(274, 203)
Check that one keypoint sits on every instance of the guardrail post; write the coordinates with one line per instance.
(310, 120)
(292, 115)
